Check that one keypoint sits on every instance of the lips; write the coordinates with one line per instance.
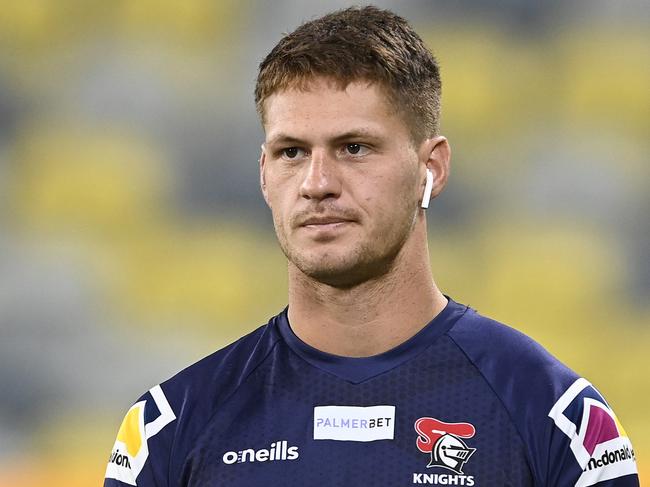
(324, 220)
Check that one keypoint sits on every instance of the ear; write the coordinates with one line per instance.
(263, 175)
(435, 154)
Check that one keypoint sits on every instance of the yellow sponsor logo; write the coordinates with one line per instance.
(131, 448)
(130, 432)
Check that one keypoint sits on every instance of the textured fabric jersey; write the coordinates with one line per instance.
(466, 401)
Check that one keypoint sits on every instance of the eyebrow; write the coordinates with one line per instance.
(282, 138)
(357, 134)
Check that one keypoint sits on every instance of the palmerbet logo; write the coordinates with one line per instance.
(278, 451)
(354, 423)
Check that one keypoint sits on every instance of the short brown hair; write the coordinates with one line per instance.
(357, 44)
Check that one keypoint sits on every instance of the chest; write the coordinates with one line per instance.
(433, 421)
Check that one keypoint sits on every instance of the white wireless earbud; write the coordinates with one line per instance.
(426, 197)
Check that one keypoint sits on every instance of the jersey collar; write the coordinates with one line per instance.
(357, 370)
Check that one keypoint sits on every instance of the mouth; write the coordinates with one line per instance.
(324, 221)
(325, 225)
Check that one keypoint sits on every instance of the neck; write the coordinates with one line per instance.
(371, 317)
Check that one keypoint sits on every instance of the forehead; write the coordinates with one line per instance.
(325, 109)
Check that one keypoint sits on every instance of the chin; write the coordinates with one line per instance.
(341, 271)
(342, 280)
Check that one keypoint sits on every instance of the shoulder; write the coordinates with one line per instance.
(566, 424)
(504, 354)
(147, 444)
(213, 378)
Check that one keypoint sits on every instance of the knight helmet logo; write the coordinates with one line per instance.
(443, 441)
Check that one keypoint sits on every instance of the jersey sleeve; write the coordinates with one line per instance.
(589, 446)
(141, 452)
(571, 435)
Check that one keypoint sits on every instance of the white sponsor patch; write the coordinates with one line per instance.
(354, 423)
(598, 440)
(610, 460)
(131, 448)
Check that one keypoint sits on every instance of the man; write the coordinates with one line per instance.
(371, 376)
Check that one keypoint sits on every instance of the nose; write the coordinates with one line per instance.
(321, 179)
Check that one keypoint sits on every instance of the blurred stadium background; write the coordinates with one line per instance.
(133, 239)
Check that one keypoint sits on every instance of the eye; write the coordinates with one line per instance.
(292, 153)
(356, 149)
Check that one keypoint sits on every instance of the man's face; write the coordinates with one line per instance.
(342, 178)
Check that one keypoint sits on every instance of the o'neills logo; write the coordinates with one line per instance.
(443, 441)
(278, 451)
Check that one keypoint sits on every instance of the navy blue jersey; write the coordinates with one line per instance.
(466, 401)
